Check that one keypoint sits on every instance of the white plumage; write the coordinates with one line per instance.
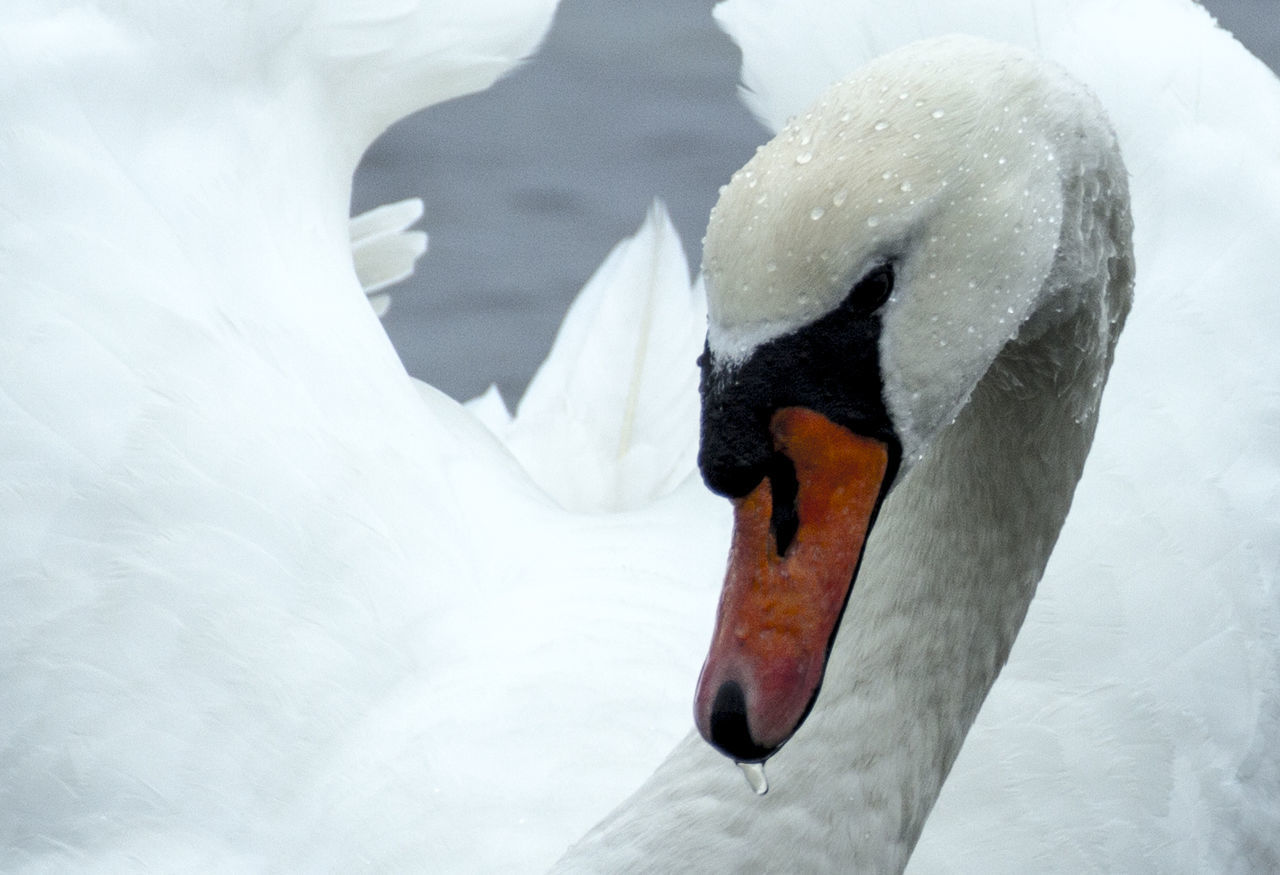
(266, 603)
(264, 608)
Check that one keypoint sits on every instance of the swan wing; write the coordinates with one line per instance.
(610, 419)
(384, 250)
(265, 604)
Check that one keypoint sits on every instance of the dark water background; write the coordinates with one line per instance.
(529, 184)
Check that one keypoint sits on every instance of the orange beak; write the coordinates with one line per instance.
(779, 609)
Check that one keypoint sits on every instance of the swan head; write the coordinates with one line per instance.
(863, 272)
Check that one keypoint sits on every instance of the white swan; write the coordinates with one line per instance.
(250, 578)
(1130, 729)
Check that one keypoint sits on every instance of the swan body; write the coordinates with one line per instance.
(267, 604)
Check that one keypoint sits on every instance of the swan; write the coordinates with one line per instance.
(936, 255)
(269, 604)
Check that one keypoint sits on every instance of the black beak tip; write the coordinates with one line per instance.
(730, 731)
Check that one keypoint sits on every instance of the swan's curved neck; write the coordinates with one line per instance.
(948, 577)
(946, 581)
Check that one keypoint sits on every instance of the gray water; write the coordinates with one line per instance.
(529, 184)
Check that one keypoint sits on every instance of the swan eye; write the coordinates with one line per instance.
(875, 287)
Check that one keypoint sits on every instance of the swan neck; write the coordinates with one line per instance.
(949, 574)
(963, 541)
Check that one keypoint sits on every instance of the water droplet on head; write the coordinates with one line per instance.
(881, 125)
(771, 265)
(804, 157)
(873, 221)
(754, 773)
(906, 186)
(817, 213)
(938, 113)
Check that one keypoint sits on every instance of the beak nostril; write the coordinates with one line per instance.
(784, 518)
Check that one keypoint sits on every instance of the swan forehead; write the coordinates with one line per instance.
(916, 145)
